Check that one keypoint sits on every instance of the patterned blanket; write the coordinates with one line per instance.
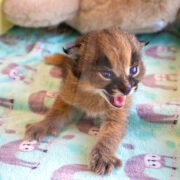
(151, 147)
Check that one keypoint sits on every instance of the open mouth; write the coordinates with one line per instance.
(116, 101)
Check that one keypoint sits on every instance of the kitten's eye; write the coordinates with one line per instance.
(133, 70)
(106, 74)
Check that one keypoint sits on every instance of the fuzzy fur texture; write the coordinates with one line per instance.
(84, 87)
(135, 16)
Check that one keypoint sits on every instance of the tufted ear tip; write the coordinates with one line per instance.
(144, 43)
(72, 51)
(65, 50)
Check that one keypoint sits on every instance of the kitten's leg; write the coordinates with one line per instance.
(103, 158)
(52, 122)
(57, 59)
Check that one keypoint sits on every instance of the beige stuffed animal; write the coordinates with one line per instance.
(135, 16)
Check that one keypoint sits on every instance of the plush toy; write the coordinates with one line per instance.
(135, 16)
(4, 23)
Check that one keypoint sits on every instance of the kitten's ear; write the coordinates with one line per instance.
(73, 51)
(144, 43)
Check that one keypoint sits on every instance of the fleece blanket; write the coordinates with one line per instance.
(151, 147)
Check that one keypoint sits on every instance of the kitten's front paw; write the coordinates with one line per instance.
(35, 131)
(103, 163)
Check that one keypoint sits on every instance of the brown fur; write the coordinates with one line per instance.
(81, 80)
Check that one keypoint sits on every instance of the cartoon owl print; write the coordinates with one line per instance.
(36, 101)
(87, 125)
(160, 81)
(56, 72)
(18, 72)
(135, 167)
(8, 153)
(162, 52)
(67, 172)
(6, 102)
(39, 48)
(6, 107)
(147, 113)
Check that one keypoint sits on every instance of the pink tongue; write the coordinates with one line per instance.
(119, 101)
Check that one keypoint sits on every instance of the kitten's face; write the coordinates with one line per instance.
(111, 65)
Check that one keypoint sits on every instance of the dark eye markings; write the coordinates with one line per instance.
(103, 61)
(133, 82)
(135, 57)
(104, 66)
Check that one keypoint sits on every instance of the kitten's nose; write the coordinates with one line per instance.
(127, 90)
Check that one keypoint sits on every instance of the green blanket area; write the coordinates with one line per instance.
(151, 147)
